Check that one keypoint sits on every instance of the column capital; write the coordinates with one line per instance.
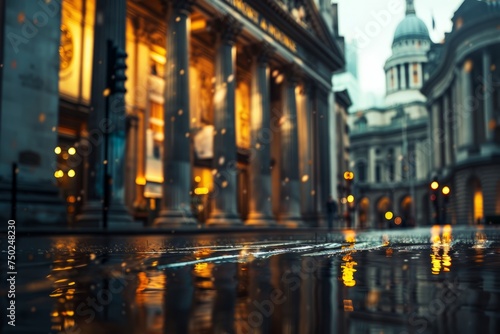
(261, 51)
(292, 73)
(183, 6)
(143, 29)
(227, 27)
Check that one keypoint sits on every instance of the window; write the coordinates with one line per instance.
(390, 171)
(361, 171)
(415, 73)
(378, 173)
(157, 150)
(407, 74)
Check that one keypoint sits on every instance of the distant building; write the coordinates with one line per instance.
(463, 93)
(388, 144)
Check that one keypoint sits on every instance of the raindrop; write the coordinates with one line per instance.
(92, 257)
(177, 19)
(230, 78)
(305, 178)
(221, 161)
(180, 112)
(287, 179)
(313, 192)
(214, 171)
(257, 146)
(181, 72)
(187, 134)
(193, 120)
(223, 131)
(224, 184)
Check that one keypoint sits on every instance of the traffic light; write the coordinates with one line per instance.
(116, 69)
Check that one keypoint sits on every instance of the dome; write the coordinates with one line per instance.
(411, 28)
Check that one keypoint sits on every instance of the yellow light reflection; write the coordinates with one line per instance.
(348, 307)
(350, 236)
(201, 191)
(441, 239)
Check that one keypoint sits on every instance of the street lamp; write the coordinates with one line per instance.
(348, 177)
(434, 199)
(446, 196)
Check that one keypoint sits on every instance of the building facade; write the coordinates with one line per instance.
(227, 117)
(463, 92)
(388, 145)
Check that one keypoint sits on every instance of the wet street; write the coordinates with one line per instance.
(439, 279)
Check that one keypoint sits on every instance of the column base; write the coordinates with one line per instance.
(118, 216)
(260, 220)
(175, 219)
(223, 219)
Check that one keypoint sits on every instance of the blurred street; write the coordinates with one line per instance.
(438, 279)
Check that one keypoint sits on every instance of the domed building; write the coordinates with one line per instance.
(406, 67)
(388, 145)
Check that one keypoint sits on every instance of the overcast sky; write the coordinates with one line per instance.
(358, 19)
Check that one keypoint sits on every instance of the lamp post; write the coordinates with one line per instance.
(348, 177)
(446, 196)
(434, 199)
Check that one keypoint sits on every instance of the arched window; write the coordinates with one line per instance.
(477, 207)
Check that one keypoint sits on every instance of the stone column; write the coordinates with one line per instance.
(488, 97)
(388, 81)
(306, 153)
(435, 138)
(176, 203)
(396, 77)
(403, 76)
(289, 214)
(224, 196)
(110, 26)
(261, 136)
(325, 155)
(467, 111)
(447, 118)
(131, 163)
(457, 119)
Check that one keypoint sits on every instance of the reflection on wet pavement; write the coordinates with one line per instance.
(440, 279)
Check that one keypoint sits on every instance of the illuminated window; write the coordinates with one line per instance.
(415, 73)
(478, 205)
(156, 117)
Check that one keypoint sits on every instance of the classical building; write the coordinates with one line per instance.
(227, 117)
(463, 92)
(388, 145)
